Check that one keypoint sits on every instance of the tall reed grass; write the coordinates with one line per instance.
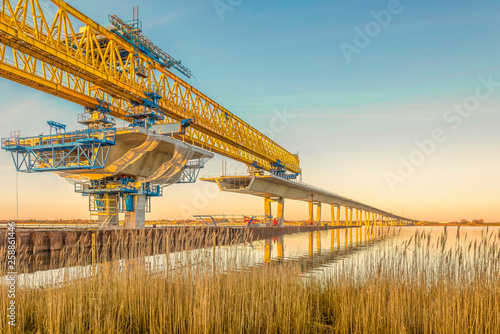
(446, 285)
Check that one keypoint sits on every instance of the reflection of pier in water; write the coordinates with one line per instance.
(320, 258)
(40, 250)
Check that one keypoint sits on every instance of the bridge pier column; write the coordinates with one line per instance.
(333, 213)
(348, 216)
(350, 226)
(267, 207)
(357, 223)
(281, 211)
(137, 219)
(367, 224)
(338, 216)
(311, 212)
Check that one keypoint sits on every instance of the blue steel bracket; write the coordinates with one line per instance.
(126, 203)
(279, 169)
(186, 122)
(58, 127)
(151, 190)
(103, 106)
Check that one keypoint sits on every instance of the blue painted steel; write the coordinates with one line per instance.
(204, 221)
(277, 164)
(151, 190)
(131, 31)
(250, 222)
(186, 122)
(125, 189)
(87, 149)
(128, 200)
(256, 165)
(191, 171)
(103, 106)
(58, 127)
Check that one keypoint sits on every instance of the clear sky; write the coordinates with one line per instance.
(394, 104)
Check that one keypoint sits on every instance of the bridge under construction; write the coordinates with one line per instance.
(172, 129)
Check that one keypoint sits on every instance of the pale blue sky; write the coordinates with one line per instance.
(352, 121)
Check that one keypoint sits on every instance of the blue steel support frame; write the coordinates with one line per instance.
(192, 170)
(87, 149)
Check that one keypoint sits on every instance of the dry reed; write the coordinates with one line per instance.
(419, 286)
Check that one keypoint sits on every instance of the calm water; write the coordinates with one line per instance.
(316, 252)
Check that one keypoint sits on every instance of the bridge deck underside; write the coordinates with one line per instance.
(142, 153)
(270, 186)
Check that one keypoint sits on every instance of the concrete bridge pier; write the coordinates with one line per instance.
(137, 217)
(267, 207)
(335, 214)
(318, 212)
(281, 209)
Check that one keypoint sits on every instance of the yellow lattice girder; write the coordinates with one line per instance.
(94, 55)
(57, 82)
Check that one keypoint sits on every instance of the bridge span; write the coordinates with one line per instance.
(276, 189)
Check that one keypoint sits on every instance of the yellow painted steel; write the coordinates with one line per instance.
(281, 248)
(267, 250)
(333, 214)
(311, 244)
(357, 224)
(349, 224)
(338, 216)
(374, 225)
(346, 222)
(338, 238)
(74, 58)
(311, 212)
(367, 226)
(267, 207)
(361, 223)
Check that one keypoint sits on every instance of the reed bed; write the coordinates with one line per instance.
(422, 285)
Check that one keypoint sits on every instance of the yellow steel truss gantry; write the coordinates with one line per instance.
(74, 58)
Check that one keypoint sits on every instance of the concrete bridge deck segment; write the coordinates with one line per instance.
(274, 188)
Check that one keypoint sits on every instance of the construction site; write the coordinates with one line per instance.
(284, 249)
(170, 129)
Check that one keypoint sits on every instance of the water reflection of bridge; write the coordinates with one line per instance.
(340, 248)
